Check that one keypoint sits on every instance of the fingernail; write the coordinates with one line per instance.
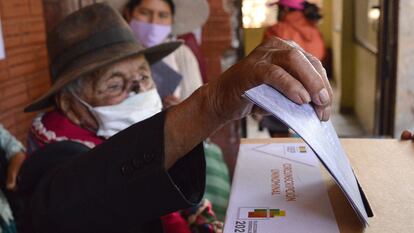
(323, 96)
(319, 112)
(326, 114)
(304, 95)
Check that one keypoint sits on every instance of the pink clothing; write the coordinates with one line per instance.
(294, 26)
(296, 4)
(55, 127)
(175, 223)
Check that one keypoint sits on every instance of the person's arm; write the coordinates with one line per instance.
(9, 143)
(296, 74)
(157, 166)
(118, 186)
(15, 163)
(15, 155)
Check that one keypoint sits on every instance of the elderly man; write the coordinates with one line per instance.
(153, 167)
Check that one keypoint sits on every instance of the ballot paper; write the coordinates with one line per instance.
(320, 136)
(279, 188)
(166, 78)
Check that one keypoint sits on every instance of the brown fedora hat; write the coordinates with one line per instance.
(89, 39)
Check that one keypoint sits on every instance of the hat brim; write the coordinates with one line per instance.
(94, 61)
(189, 15)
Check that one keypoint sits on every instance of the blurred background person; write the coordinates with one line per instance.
(297, 22)
(12, 155)
(190, 31)
(156, 21)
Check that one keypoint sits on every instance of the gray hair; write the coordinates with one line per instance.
(74, 86)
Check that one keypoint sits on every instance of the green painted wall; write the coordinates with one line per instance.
(325, 25)
(252, 38)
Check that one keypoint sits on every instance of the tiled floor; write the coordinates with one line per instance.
(347, 126)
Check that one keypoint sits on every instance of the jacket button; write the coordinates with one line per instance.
(126, 169)
(148, 158)
(137, 163)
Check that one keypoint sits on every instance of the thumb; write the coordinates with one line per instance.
(11, 180)
(13, 169)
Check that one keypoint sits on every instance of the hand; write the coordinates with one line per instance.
(407, 135)
(170, 100)
(15, 164)
(280, 64)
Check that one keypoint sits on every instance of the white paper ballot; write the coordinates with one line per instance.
(2, 51)
(279, 188)
(320, 136)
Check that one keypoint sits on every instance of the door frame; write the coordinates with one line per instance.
(387, 68)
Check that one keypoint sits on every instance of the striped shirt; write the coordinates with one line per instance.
(217, 180)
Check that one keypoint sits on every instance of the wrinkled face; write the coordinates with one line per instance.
(112, 85)
(153, 11)
(108, 86)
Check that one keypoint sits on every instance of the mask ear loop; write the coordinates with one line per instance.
(90, 108)
(81, 100)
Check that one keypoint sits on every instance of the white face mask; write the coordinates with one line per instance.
(136, 108)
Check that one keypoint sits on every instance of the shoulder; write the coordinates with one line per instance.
(185, 57)
(45, 159)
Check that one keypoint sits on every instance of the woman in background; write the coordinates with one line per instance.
(157, 21)
(297, 21)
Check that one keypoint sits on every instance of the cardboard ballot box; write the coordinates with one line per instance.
(385, 171)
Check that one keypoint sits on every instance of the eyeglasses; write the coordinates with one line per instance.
(118, 84)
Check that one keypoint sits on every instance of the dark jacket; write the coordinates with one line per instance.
(119, 186)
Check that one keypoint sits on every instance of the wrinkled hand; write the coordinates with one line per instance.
(407, 135)
(15, 164)
(280, 64)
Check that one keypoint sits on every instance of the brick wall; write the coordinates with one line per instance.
(216, 40)
(24, 73)
(214, 43)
